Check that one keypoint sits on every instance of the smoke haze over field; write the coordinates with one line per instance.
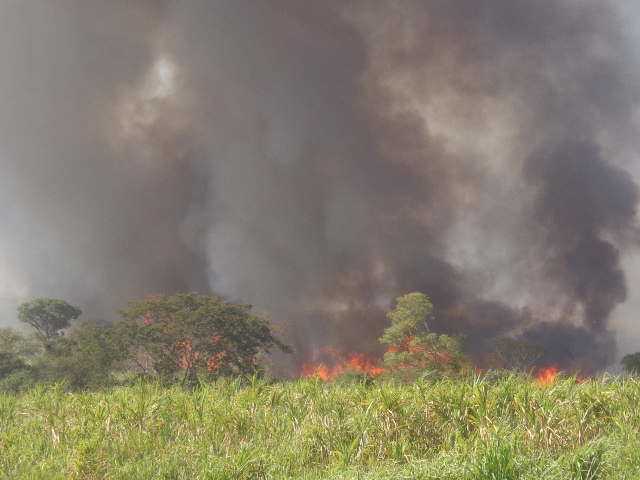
(319, 159)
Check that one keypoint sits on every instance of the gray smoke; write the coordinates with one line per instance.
(319, 159)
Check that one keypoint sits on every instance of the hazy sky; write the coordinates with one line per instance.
(319, 159)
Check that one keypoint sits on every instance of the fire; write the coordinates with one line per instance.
(336, 362)
(547, 375)
(190, 355)
(330, 362)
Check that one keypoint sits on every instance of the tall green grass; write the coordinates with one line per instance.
(472, 429)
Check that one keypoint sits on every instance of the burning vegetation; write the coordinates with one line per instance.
(190, 338)
(414, 351)
(197, 337)
(320, 159)
(329, 362)
(547, 375)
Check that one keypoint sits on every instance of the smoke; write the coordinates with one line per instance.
(320, 159)
(581, 202)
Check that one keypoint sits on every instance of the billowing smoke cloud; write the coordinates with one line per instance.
(319, 159)
(581, 200)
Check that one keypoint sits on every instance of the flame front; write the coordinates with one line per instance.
(547, 375)
(336, 362)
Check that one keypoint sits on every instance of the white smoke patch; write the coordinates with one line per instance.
(151, 124)
(14, 290)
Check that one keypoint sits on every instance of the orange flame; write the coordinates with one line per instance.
(547, 375)
(336, 362)
(190, 355)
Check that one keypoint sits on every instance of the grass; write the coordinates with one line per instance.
(471, 429)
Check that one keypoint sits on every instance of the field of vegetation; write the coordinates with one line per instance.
(465, 428)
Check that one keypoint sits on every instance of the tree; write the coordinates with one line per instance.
(86, 357)
(197, 336)
(413, 349)
(17, 353)
(515, 354)
(631, 363)
(18, 345)
(48, 316)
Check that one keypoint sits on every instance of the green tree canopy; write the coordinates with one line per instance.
(16, 350)
(17, 354)
(17, 344)
(86, 357)
(408, 319)
(631, 363)
(413, 349)
(198, 336)
(48, 316)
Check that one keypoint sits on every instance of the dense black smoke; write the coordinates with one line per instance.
(582, 200)
(319, 159)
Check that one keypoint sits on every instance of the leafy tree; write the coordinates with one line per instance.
(631, 363)
(514, 354)
(17, 353)
(18, 345)
(408, 318)
(86, 357)
(196, 336)
(413, 349)
(9, 364)
(48, 316)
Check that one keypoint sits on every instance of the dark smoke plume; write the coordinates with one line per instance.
(582, 199)
(319, 159)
